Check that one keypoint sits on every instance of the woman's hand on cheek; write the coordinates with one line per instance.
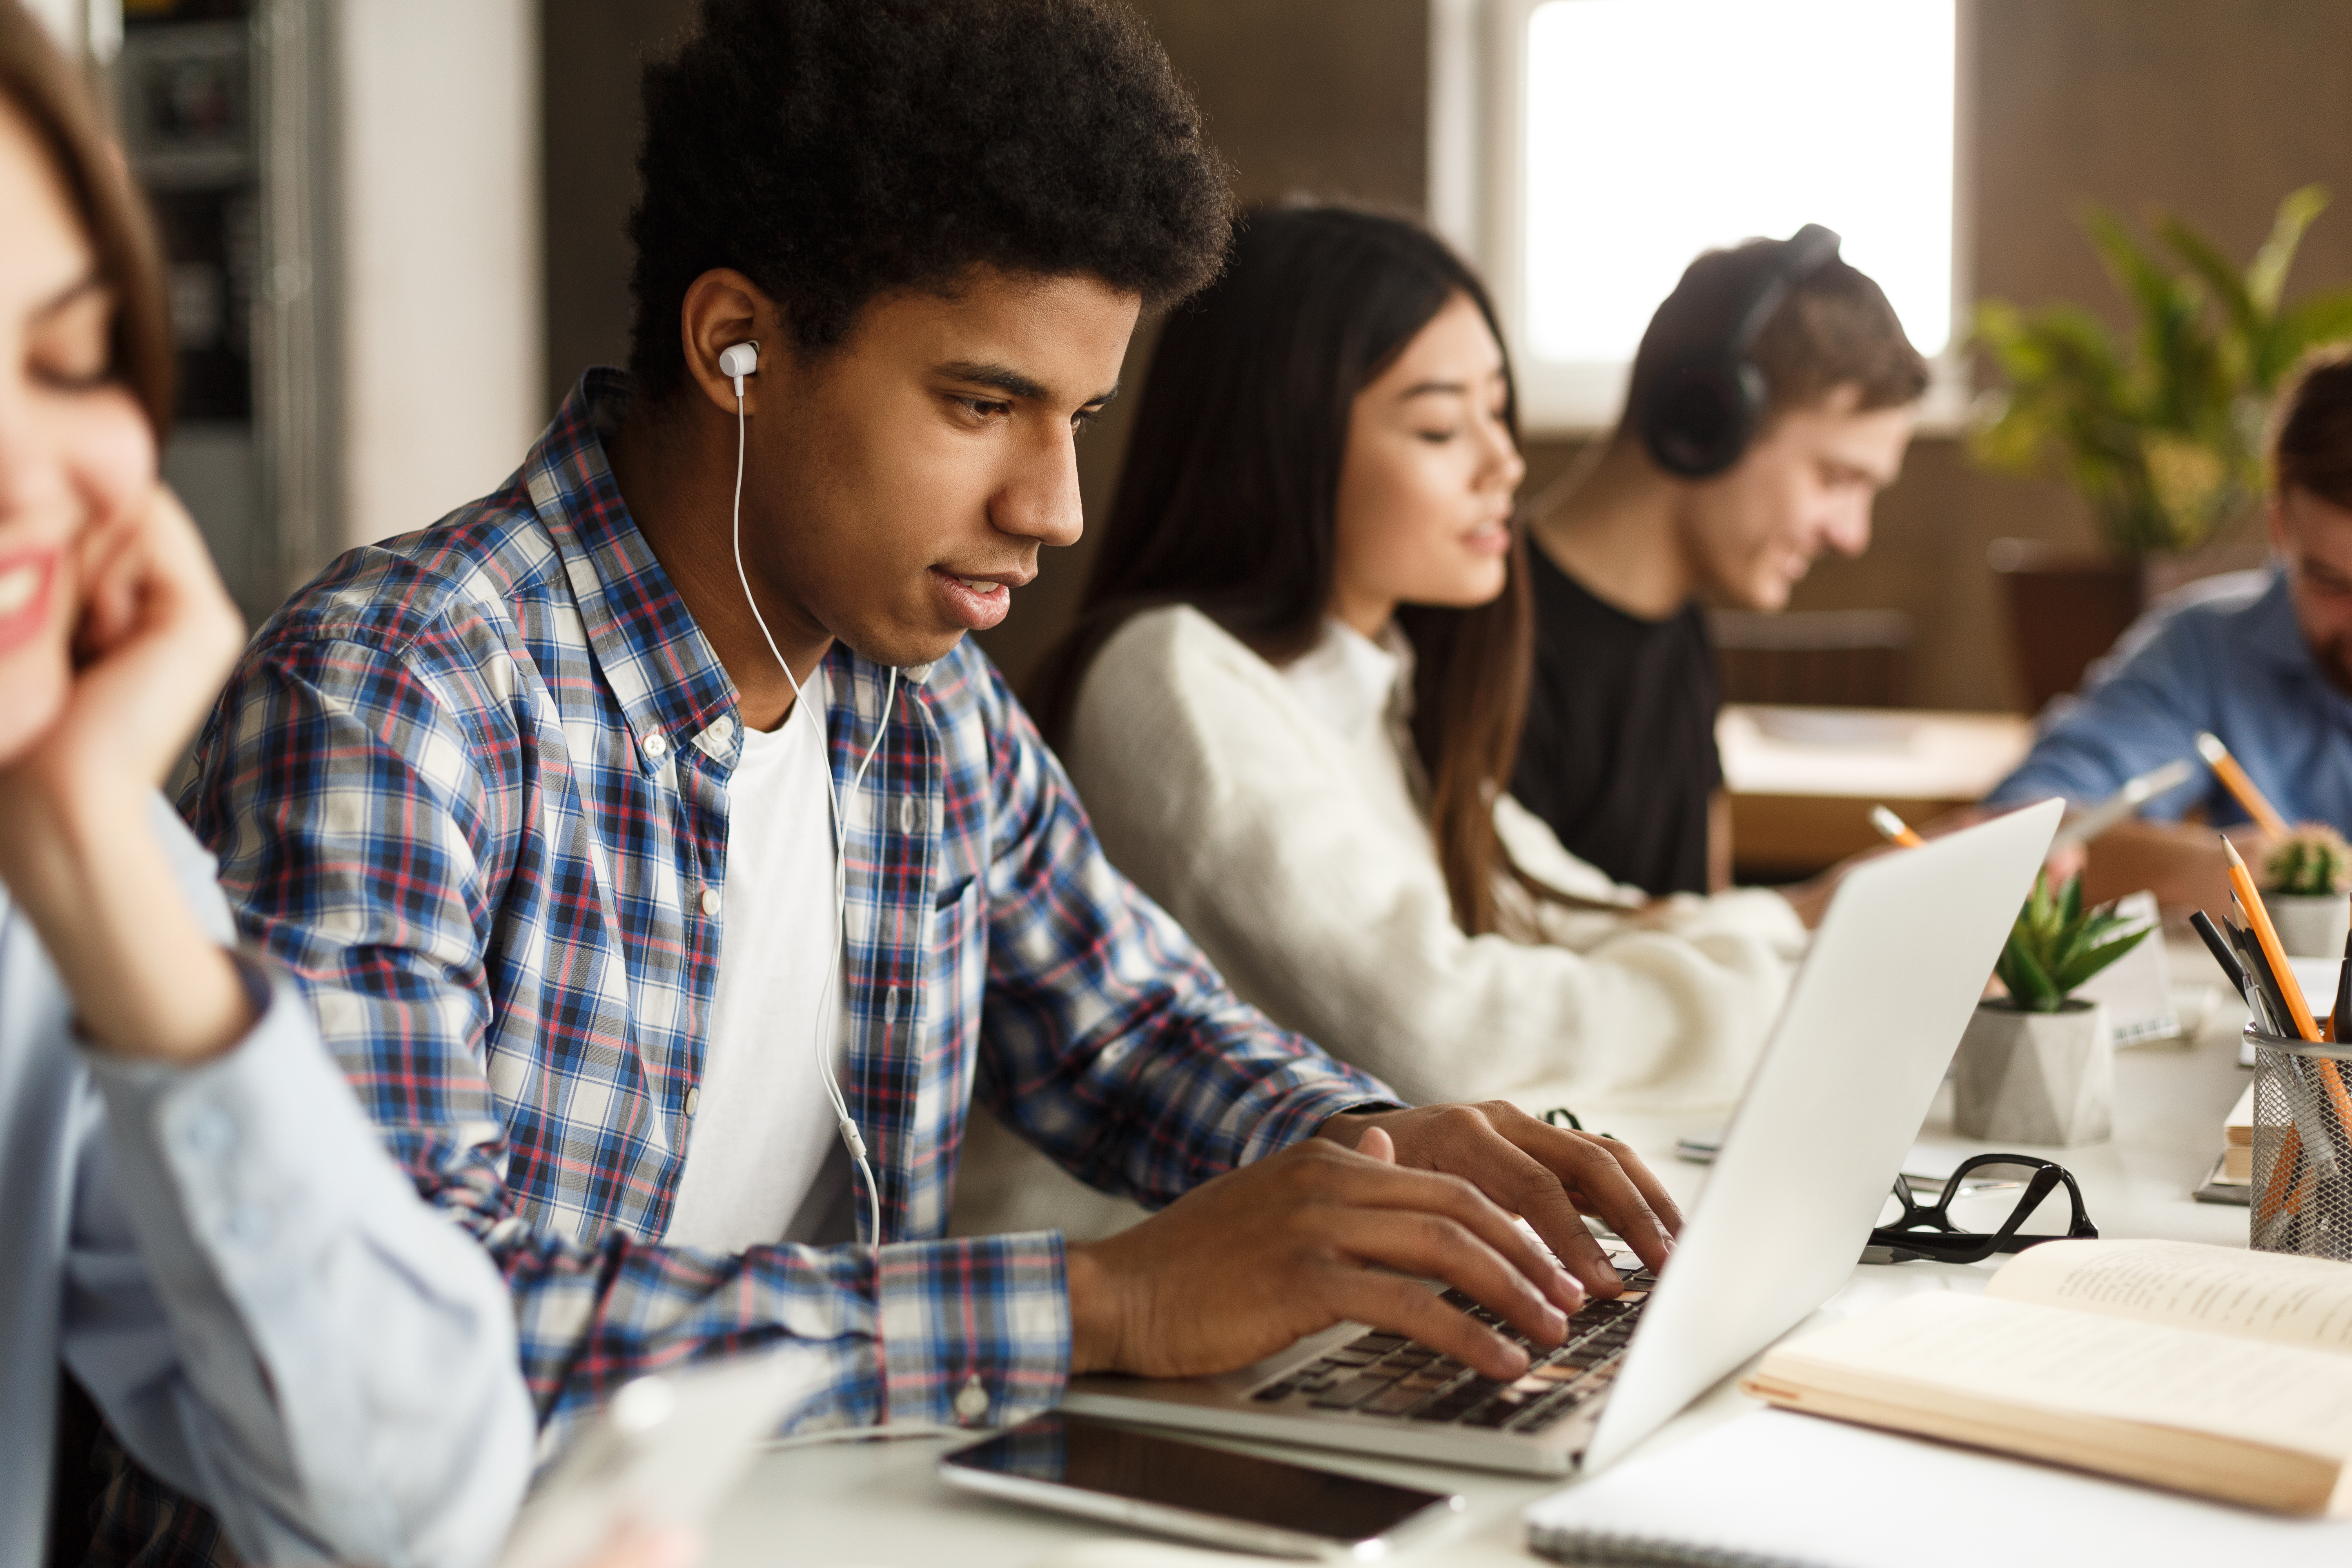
(155, 634)
(156, 637)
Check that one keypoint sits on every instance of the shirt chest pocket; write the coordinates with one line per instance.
(958, 946)
(960, 894)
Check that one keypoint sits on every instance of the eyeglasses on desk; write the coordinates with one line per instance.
(1927, 1230)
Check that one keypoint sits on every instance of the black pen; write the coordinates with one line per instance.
(2274, 995)
(2218, 946)
(2257, 989)
(2266, 1016)
(2225, 953)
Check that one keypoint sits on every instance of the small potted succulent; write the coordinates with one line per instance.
(2307, 887)
(2037, 1065)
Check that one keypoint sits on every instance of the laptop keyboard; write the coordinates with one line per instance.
(1391, 1376)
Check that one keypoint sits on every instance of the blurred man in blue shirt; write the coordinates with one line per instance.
(2262, 659)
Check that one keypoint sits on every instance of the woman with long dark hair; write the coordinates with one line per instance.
(1294, 690)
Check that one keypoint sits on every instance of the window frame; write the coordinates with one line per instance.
(1476, 141)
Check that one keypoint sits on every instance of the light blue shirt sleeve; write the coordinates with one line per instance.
(273, 1320)
(2143, 716)
(2223, 656)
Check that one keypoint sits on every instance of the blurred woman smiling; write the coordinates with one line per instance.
(202, 1227)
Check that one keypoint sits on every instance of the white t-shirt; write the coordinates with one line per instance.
(763, 1156)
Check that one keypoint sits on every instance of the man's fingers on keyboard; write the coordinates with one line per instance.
(1610, 1192)
(1653, 1191)
(1432, 1192)
(1534, 1189)
(1399, 1305)
(1431, 1246)
(1557, 1220)
(1600, 1173)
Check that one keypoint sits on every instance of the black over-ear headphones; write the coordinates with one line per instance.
(1699, 415)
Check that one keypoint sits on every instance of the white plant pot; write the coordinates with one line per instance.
(2035, 1077)
(2311, 925)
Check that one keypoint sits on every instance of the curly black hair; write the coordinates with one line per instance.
(834, 150)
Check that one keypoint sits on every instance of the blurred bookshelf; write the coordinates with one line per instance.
(222, 108)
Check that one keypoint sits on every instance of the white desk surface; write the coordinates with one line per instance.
(878, 1503)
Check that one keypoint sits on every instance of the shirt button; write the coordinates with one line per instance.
(207, 1132)
(722, 727)
(710, 901)
(906, 813)
(971, 1401)
(656, 743)
(693, 1099)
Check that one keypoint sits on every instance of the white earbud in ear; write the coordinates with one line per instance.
(740, 361)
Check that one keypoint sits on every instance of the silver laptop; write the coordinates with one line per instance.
(1836, 1100)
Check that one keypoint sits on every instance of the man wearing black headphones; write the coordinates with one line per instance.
(1770, 401)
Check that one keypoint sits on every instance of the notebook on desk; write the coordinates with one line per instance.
(1765, 1487)
(1871, 1019)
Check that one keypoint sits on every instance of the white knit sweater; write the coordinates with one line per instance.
(1274, 813)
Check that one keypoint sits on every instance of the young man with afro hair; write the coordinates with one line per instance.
(530, 805)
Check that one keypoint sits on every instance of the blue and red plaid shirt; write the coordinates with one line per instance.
(470, 786)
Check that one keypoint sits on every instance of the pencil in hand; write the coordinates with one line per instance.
(2241, 788)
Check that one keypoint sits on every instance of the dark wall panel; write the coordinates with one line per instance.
(589, 56)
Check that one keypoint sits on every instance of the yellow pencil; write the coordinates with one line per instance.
(2233, 779)
(2331, 1075)
(1892, 825)
(2243, 881)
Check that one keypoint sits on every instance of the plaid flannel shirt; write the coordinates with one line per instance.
(470, 786)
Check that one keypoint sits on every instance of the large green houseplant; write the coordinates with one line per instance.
(2159, 428)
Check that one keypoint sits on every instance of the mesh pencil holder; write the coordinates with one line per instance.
(2302, 1147)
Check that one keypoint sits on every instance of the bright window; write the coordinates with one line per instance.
(1632, 135)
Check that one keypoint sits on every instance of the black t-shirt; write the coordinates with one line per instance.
(1618, 755)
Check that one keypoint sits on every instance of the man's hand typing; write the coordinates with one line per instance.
(1341, 1226)
(1550, 1175)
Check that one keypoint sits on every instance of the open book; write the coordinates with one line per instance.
(2207, 1369)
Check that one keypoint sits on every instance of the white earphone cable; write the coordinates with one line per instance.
(827, 1018)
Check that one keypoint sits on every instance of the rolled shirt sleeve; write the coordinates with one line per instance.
(2225, 655)
(2146, 715)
